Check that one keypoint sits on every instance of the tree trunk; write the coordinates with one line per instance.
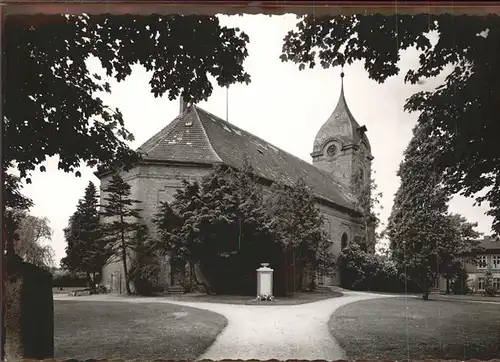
(448, 286)
(125, 271)
(314, 272)
(89, 280)
(124, 259)
(425, 290)
(94, 282)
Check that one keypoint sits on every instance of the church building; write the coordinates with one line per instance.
(190, 145)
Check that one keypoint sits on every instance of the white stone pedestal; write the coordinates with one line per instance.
(264, 280)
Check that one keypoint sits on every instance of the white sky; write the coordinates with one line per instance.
(282, 105)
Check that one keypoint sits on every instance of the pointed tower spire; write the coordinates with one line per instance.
(342, 97)
(338, 140)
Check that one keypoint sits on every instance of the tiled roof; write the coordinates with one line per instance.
(199, 136)
(490, 243)
(182, 140)
(342, 123)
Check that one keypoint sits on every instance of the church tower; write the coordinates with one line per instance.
(341, 147)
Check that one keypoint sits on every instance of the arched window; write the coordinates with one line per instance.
(344, 241)
(362, 176)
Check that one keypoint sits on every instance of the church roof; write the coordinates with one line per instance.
(201, 137)
(342, 124)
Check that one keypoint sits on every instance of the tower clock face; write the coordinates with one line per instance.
(331, 150)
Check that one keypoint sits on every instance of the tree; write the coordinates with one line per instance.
(169, 221)
(145, 266)
(51, 106)
(489, 288)
(298, 224)
(256, 241)
(177, 238)
(16, 207)
(462, 111)
(86, 250)
(367, 199)
(50, 52)
(219, 224)
(418, 218)
(458, 242)
(120, 223)
(32, 231)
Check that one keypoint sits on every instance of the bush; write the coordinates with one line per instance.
(489, 289)
(69, 280)
(144, 277)
(459, 285)
(360, 270)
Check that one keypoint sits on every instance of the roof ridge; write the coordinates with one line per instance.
(324, 173)
(195, 109)
(255, 136)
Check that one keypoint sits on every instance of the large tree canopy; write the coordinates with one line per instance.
(418, 223)
(51, 106)
(463, 111)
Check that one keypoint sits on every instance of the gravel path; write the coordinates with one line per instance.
(267, 332)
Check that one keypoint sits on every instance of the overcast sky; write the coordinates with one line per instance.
(282, 105)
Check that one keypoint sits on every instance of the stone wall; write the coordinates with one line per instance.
(340, 164)
(336, 224)
(29, 315)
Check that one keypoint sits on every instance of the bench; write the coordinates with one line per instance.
(80, 292)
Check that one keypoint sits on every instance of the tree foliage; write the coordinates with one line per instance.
(299, 227)
(145, 266)
(169, 221)
(32, 232)
(219, 223)
(361, 270)
(459, 240)
(367, 201)
(120, 223)
(418, 220)
(225, 225)
(489, 288)
(86, 250)
(426, 240)
(16, 206)
(51, 104)
(462, 111)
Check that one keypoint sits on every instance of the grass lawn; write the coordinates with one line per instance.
(97, 330)
(298, 298)
(393, 329)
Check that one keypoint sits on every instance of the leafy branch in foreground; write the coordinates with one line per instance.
(462, 112)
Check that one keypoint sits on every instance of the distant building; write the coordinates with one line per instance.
(190, 145)
(487, 256)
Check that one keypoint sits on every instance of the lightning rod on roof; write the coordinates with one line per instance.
(227, 103)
